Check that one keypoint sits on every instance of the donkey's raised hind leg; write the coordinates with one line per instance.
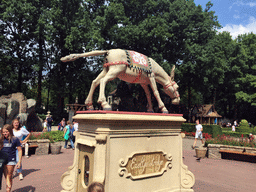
(156, 94)
(112, 73)
(95, 83)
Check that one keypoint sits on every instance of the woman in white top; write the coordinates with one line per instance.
(19, 132)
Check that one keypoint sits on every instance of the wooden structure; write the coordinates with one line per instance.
(205, 113)
(73, 108)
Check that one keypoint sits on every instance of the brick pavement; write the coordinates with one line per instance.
(43, 173)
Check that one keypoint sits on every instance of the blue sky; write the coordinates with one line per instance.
(235, 16)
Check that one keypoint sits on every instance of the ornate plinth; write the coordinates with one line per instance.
(128, 152)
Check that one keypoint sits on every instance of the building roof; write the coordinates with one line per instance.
(206, 110)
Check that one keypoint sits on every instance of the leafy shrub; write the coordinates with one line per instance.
(53, 136)
(235, 134)
(213, 130)
(227, 140)
(244, 126)
(42, 116)
(192, 134)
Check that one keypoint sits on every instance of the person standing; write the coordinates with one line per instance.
(67, 135)
(199, 133)
(11, 143)
(3, 161)
(233, 128)
(49, 123)
(75, 128)
(45, 126)
(235, 123)
(63, 124)
(19, 132)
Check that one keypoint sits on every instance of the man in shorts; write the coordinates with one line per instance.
(199, 133)
(3, 161)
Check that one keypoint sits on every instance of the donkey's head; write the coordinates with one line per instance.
(171, 88)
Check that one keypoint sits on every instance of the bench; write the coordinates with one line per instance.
(238, 155)
(30, 147)
(237, 152)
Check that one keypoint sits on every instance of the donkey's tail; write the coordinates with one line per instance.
(73, 57)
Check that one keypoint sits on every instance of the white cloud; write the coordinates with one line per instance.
(236, 30)
(251, 4)
(240, 2)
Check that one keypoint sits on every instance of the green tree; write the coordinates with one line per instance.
(16, 25)
(245, 96)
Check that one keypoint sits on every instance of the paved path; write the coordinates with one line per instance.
(43, 173)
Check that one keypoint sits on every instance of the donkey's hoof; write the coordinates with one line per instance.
(164, 110)
(89, 107)
(107, 109)
(106, 106)
(150, 111)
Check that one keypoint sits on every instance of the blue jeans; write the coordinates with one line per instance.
(49, 128)
(17, 159)
(71, 142)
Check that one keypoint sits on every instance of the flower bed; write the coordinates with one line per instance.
(206, 136)
(233, 141)
(45, 140)
(53, 136)
(232, 148)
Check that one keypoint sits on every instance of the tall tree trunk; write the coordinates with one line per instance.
(39, 87)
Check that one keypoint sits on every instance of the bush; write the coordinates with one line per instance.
(42, 116)
(213, 130)
(192, 134)
(235, 134)
(227, 140)
(53, 136)
(244, 127)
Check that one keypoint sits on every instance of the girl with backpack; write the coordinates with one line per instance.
(68, 135)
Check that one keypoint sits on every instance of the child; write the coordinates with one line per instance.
(9, 148)
(3, 161)
(96, 187)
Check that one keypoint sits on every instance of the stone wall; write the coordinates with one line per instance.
(43, 146)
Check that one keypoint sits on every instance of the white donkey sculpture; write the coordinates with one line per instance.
(132, 67)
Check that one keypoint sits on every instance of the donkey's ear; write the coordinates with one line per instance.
(172, 73)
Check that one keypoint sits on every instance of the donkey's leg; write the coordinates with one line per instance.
(95, 83)
(148, 95)
(157, 95)
(112, 73)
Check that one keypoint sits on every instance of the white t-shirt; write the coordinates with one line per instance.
(76, 127)
(22, 132)
(198, 128)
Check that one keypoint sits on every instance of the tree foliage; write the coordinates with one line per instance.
(211, 67)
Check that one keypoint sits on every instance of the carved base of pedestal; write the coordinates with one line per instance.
(129, 152)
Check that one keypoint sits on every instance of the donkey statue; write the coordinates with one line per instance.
(132, 67)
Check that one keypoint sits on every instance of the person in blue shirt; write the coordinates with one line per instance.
(3, 161)
(10, 143)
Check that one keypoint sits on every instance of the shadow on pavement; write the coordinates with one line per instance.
(26, 189)
(26, 172)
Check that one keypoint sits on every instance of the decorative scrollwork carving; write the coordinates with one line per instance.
(187, 177)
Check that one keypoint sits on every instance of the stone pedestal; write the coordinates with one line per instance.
(128, 152)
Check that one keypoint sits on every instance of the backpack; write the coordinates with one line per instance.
(70, 132)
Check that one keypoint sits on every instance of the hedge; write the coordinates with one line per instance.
(236, 134)
(213, 130)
